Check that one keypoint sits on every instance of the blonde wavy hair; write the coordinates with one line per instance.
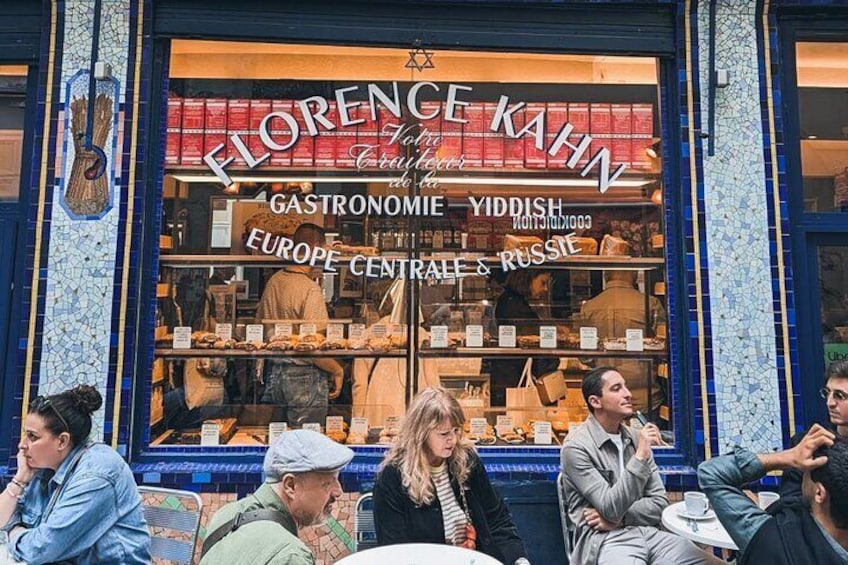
(430, 408)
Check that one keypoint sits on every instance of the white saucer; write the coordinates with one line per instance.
(683, 514)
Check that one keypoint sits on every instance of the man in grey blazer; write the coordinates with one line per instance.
(612, 487)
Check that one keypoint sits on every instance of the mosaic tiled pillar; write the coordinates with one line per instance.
(81, 221)
(741, 300)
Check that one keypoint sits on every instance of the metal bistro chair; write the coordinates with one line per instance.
(364, 532)
(173, 517)
(567, 526)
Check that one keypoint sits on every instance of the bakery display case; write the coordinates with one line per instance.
(470, 244)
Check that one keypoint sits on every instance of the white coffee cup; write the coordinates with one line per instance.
(767, 498)
(697, 503)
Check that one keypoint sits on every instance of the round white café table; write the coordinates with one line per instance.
(418, 554)
(710, 532)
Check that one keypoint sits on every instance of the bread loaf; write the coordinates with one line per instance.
(612, 245)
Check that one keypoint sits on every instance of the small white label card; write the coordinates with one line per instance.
(335, 423)
(314, 426)
(477, 426)
(506, 336)
(392, 422)
(182, 337)
(254, 332)
(357, 332)
(224, 331)
(474, 336)
(282, 330)
(588, 338)
(275, 430)
(547, 337)
(308, 329)
(504, 424)
(359, 426)
(210, 434)
(379, 330)
(438, 336)
(634, 340)
(542, 433)
(335, 332)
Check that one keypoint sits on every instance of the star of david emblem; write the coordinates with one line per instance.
(420, 59)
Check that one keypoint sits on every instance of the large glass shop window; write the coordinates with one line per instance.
(822, 81)
(344, 226)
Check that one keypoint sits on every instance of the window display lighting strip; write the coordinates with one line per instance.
(565, 182)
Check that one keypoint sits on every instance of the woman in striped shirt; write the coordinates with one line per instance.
(433, 488)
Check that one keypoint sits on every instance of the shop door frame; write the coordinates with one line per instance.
(809, 229)
(13, 223)
(808, 296)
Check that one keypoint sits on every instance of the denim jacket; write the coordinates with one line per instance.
(87, 512)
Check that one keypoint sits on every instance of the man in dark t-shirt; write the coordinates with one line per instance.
(835, 394)
(806, 530)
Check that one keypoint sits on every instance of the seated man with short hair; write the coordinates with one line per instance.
(301, 483)
(812, 529)
(613, 490)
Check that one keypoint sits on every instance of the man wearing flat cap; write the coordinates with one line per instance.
(301, 483)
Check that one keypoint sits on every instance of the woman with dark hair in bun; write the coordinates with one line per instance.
(71, 500)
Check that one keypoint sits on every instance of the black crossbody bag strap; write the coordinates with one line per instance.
(243, 518)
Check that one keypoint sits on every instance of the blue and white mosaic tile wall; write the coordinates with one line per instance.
(747, 396)
(82, 254)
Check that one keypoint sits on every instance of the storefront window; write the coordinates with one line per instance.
(479, 217)
(822, 81)
(12, 104)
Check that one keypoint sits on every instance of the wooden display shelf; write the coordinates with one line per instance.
(537, 352)
(264, 354)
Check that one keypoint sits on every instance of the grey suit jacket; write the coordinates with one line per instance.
(592, 479)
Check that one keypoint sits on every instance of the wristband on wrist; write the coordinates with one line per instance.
(19, 483)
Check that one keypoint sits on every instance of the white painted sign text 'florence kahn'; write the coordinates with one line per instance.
(314, 110)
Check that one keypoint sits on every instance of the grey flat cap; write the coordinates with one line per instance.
(302, 451)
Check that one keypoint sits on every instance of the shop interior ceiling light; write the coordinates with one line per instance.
(563, 182)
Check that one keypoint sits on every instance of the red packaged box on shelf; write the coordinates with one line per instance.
(281, 133)
(194, 117)
(600, 126)
(557, 117)
(643, 133)
(451, 135)
(388, 124)
(346, 139)
(534, 158)
(622, 119)
(258, 110)
(238, 122)
(215, 127)
(325, 141)
(174, 130)
(514, 146)
(303, 152)
(493, 141)
(434, 123)
(473, 134)
(366, 134)
(578, 116)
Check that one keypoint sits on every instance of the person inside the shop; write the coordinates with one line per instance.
(301, 385)
(432, 487)
(612, 486)
(71, 500)
(813, 529)
(621, 307)
(301, 485)
(835, 395)
(513, 309)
